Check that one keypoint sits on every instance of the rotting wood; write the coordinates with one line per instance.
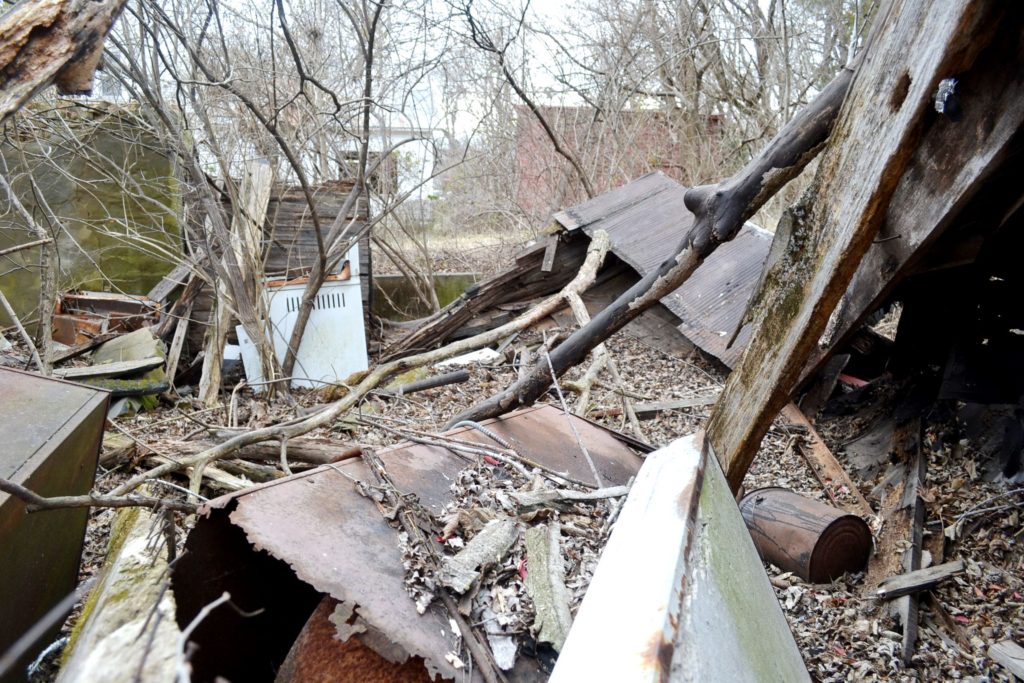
(84, 347)
(545, 583)
(649, 411)
(952, 163)
(720, 212)
(917, 581)
(911, 47)
(596, 252)
(907, 607)
(823, 385)
(127, 631)
(488, 547)
(178, 277)
(51, 41)
(116, 369)
(523, 281)
(532, 500)
(117, 448)
(1010, 655)
(177, 342)
(826, 469)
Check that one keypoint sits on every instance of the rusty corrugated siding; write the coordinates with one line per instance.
(646, 220)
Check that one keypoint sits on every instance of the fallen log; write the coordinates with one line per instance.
(719, 213)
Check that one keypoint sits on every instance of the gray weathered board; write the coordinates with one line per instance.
(912, 46)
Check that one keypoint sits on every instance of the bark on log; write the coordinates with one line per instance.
(51, 41)
(720, 211)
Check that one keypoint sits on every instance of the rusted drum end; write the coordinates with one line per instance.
(844, 546)
(817, 542)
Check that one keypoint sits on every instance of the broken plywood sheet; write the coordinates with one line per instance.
(318, 528)
(646, 219)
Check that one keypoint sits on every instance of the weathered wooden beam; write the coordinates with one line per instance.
(913, 45)
(116, 369)
(51, 41)
(907, 607)
(828, 471)
(952, 163)
(649, 411)
(917, 581)
(1010, 655)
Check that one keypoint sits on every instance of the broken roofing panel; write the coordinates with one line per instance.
(646, 219)
(335, 540)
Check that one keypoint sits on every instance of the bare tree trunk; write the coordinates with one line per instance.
(720, 211)
(321, 268)
(243, 268)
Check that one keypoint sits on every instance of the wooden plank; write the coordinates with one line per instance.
(913, 44)
(84, 347)
(549, 254)
(116, 369)
(174, 279)
(829, 472)
(1010, 655)
(907, 607)
(681, 550)
(180, 334)
(917, 581)
(649, 411)
(952, 163)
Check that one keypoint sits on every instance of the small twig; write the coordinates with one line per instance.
(27, 245)
(284, 456)
(572, 425)
(184, 671)
(34, 502)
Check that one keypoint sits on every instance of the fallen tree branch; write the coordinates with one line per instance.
(373, 378)
(719, 213)
(34, 502)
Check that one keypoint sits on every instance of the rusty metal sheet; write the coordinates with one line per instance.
(645, 220)
(336, 540)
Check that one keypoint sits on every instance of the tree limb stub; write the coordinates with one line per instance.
(51, 41)
(720, 211)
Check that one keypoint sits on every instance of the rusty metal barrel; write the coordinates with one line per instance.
(817, 542)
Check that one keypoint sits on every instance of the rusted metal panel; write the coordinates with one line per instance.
(646, 220)
(51, 432)
(336, 540)
(679, 593)
(817, 542)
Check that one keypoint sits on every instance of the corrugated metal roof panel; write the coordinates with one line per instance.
(646, 220)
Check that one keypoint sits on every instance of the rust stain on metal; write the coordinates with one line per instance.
(646, 220)
(336, 540)
(817, 542)
(657, 655)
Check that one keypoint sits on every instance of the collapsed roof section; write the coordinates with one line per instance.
(645, 220)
